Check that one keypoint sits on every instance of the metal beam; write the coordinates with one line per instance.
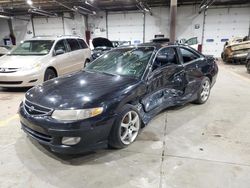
(173, 15)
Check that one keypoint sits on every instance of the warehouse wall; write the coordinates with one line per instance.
(220, 24)
(76, 25)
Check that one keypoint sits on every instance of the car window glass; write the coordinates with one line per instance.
(82, 43)
(74, 45)
(166, 56)
(188, 55)
(60, 46)
(192, 41)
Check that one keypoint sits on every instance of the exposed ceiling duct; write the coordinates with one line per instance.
(42, 12)
(63, 5)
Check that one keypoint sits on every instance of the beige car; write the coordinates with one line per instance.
(42, 58)
(236, 50)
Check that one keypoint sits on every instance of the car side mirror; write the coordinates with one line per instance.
(59, 52)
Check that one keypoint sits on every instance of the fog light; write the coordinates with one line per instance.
(70, 140)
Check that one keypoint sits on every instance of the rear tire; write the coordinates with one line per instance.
(49, 74)
(126, 128)
(204, 91)
(86, 63)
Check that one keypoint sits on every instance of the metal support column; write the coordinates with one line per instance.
(63, 24)
(33, 27)
(173, 15)
(144, 26)
(107, 27)
(203, 27)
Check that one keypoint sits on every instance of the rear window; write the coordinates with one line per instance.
(73, 44)
(82, 43)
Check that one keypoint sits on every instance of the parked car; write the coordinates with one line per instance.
(115, 96)
(248, 63)
(193, 43)
(236, 50)
(101, 46)
(161, 40)
(121, 43)
(4, 50)
(42, 58)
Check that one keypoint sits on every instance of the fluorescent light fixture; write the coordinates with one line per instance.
(5, 17)
(90, 4)
(42, 12)
(29, 2)
(84, 11)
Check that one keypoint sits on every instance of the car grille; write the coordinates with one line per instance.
(8, 70)
(37, 135)
(35, 109)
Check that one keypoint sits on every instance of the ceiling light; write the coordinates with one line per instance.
(84, 11)
(29, 2)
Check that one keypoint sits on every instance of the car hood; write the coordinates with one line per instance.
(16, 61)
(98, 42)
(80, 90)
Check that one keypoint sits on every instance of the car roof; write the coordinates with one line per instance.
(53, 37)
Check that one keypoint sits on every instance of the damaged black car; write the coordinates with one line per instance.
(115, 96)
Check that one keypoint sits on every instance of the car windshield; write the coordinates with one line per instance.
(35, 47)
(124, 61)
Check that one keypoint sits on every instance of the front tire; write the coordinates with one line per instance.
(49, 74)
(204, 91)
(126, 128)
(86, 63)
(248, 67)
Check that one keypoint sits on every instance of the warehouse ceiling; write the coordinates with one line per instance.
(16, 7)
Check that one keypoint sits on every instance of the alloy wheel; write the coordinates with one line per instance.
(130, 126)
(205, 90)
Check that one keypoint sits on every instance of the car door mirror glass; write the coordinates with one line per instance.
(59, 52)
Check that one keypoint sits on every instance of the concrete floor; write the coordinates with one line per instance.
(195, 146)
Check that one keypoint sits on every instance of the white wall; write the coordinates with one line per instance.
(157, 24)
(97, 25)
(224, 23)
(76, 25)
(127, 26)
(220, 23)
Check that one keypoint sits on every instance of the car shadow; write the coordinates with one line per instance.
(14, 90)
(29, 147)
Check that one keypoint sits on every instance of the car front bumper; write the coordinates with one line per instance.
(21, 79)
(48, 131)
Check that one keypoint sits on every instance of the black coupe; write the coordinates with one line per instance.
(115, 96)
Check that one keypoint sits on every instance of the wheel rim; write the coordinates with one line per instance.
(130, 126)
(50, 77)
(205, 90)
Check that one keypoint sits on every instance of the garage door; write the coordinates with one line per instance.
(125, 27)
(223, 24)
(51, 26)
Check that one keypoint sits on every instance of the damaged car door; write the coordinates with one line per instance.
(193, 64)
(166, 81)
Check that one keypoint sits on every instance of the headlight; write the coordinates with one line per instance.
(34, 67)
(72, 115)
